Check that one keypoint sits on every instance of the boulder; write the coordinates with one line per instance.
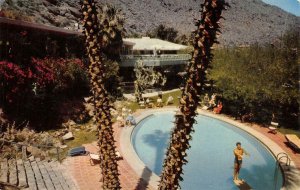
(31, 158)
(34, 151)
(63, 146)
(68, 136)
(71, 122)
(94, 127)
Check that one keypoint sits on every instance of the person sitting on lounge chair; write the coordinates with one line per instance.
(219, 107)
(212, 102)
(206, 100)
(159, 102)
(130, 120)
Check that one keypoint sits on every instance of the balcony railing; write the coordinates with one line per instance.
(155, 60)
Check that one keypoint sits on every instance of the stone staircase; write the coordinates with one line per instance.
(36, 175)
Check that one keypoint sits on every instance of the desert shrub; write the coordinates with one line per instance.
(16, 15)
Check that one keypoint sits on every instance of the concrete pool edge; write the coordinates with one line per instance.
(291, 174)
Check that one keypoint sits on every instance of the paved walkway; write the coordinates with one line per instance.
(36, 175)
(280, 140)
(88, 176)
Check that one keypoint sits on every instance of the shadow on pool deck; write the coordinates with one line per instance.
(144, 179)
(244, 186)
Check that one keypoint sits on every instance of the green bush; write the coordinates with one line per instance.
(262, 78)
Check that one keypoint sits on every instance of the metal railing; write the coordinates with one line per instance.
(154, 60)
(284, 155)
(162, 57)
(279, 157)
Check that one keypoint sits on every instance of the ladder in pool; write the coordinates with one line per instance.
(279, 157)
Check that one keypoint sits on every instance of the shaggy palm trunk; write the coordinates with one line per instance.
(108, 158)
(205, 37)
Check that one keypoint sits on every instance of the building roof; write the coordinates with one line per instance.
(147, 43)
(5, 22)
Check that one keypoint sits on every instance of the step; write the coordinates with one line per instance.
(30, 176)
(13, 174)
(21, 174)
(4, 171)
(38, 176)
(47, 178)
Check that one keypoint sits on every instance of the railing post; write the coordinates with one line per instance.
(57, 153)
(24, 154)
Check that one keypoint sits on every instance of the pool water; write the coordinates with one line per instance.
(210, 158)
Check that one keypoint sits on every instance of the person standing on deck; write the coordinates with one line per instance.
(238, 159)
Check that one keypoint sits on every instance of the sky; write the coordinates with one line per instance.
(292, 6)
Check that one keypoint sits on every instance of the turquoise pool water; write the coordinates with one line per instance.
(210, 158)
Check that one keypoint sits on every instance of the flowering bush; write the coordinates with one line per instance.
(66, 74)
(34, 91)
(10, 74)
(17, 80)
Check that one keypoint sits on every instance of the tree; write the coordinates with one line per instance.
(205, 37)
(261, 77)
(111, 32)
(164, 33)
(146, 77)
(102, 104)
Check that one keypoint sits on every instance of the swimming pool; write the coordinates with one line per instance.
(210, 158)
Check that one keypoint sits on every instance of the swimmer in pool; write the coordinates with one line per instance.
(238, 159)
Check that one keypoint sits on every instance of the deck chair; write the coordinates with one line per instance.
(293, 140)
(95, 158)
(77, 151)
(142, 104)
(273, 128)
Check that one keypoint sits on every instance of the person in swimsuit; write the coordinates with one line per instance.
(238, 160)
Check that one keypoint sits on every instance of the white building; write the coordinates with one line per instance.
(153, 52)
(166, 57)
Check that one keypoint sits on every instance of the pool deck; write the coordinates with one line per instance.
(135, 175)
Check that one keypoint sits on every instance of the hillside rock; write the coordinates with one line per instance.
(247, 21)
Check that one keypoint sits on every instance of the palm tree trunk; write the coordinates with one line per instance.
(204, 38)
(108, 158)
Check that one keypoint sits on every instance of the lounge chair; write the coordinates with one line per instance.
(95, 158)
(159, 102)
(293, 140)
(170, 100)
(78, 151)
(273, 128)
(142, 104)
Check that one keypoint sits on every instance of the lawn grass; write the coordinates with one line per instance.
(134, 105)
(289, 131)
(81, 137)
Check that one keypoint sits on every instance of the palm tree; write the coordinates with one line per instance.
(111, 22)
(204, 37)
(102, 104)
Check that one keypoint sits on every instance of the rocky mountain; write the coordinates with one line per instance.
(247, 21)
